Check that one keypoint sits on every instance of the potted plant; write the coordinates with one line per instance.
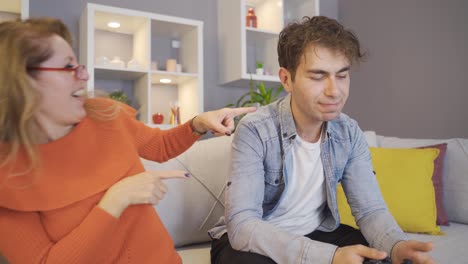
(259, 68)
(258, 95)
(120, 96)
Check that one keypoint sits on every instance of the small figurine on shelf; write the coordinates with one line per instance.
(251, 18)
(154, 65)
(133, 64)
(117, 62)
(175, 113)
(102, 61)
(171, 65)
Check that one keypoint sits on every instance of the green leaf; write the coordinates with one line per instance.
(278, 91)
(257, 94)
(119, 96)
(257, 98)
(268, 96)
(239, 102)
(246, 103)
(261, 88)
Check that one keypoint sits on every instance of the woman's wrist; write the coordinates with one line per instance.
(195, 129)
(111, 206)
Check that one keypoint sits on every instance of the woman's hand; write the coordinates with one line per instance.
(220, 122)
(143, 188)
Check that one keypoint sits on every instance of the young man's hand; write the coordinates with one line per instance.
(414, 250)
(356, 254)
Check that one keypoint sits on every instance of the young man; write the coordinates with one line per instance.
(288, 158)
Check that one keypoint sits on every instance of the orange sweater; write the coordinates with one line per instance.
(56, 218)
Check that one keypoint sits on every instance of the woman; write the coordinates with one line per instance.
(73, 189)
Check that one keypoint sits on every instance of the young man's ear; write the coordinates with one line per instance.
(285, 78)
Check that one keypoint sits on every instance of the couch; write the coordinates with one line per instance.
(192, 206)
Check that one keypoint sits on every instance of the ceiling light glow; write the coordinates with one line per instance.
(113, 24)
(165, 80)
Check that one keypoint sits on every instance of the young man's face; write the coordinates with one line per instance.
(320, 87)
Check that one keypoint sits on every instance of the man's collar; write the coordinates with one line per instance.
(287, 125)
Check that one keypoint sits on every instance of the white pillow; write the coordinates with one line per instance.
(371, 138)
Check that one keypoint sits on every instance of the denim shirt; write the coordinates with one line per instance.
(260, 168)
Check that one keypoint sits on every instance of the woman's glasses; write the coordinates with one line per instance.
(79, 71)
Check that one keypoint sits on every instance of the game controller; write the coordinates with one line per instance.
(386, 260)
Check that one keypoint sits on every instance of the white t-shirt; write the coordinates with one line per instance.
(300, 209)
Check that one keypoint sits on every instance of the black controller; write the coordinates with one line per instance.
(386, 260)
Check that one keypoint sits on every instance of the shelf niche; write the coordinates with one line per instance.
(146, 38)
(241, 47)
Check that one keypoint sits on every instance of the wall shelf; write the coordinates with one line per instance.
(175, 77)
(241, 47)
(103, 72)
(146, 38)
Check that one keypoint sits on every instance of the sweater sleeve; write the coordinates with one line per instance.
(156, 144)
(24, 240)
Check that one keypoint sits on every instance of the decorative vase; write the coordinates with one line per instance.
(175, 113)
(117, 62)
(171, 65)
(154, 65)
(251, 18)
(133, 64)
(259, 71)
(102, 61)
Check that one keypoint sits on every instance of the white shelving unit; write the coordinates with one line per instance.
(13, 9)
(146, 38)
(241, 47)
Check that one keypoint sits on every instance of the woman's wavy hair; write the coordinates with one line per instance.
(320, 31)
(25, 44)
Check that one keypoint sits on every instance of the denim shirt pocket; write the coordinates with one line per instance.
(274, 186)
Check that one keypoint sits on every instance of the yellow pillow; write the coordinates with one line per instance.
(405, 180)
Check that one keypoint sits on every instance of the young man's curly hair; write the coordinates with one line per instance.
(318, 30)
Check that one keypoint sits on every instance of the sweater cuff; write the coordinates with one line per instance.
(194, 135)
(101, 215)
(319, 252)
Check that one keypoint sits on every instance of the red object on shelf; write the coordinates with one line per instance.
(158, 118)
(251, 18)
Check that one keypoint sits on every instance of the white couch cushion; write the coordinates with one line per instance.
(455, 179)
(191, 207)
(199, 254)
(371, 138)
(450, 248)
